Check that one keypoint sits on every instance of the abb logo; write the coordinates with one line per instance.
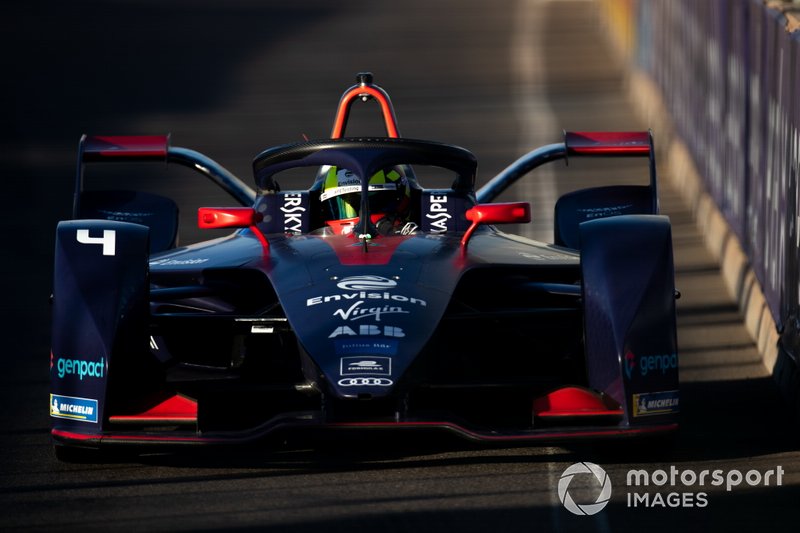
(368, 330)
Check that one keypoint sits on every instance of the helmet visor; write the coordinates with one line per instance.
(345, 202)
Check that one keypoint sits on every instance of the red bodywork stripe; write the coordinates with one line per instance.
(543, 435)
(574, 401)
(133, 439)
(477, 436)
(176, 408)
(347, 100)
(352, 251)
(607, 143)
(96, 148)
(69, 435)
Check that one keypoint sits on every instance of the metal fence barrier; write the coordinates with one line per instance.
(729, 76)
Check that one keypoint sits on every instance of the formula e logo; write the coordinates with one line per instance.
(371, 366)
(366, 330)
(366, 283)
(366, 382)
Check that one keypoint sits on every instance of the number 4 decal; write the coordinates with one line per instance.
(108, 240)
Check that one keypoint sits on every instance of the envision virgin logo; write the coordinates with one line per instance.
(366, 283)
(589, 508)
(356, 312)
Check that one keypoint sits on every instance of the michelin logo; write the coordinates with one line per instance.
(656, 403)
(71, 408)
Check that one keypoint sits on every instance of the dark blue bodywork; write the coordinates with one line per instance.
(284, 324)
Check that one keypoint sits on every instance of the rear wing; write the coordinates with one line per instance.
(115, 149)
(577, 144)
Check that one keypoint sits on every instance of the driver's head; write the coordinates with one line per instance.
(389, 194)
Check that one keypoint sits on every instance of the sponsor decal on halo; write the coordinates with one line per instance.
(293, 211)
(437, 213)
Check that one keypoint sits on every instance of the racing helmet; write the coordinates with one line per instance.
(389, 198)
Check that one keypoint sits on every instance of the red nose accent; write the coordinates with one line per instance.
(574, 401)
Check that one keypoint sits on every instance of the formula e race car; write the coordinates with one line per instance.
(365, 301)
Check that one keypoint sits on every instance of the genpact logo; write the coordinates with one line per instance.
(589, 508)
(650, 363)
(80, 368)
(662, 363)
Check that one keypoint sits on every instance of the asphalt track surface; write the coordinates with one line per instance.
(229, 79)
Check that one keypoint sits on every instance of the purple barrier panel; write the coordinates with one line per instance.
(646, 36)
(762, 152)
(649, 36)
(757, 113)
(714, 22)
(791, 291)
(782, 217)
(730, 76)
(690, 26)
(694, 124)
(679, 75)
(777, 180)
(659, 19)
(735, 124)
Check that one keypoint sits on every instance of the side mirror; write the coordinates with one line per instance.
(227, 217)
(231, 217)
(500, 213)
